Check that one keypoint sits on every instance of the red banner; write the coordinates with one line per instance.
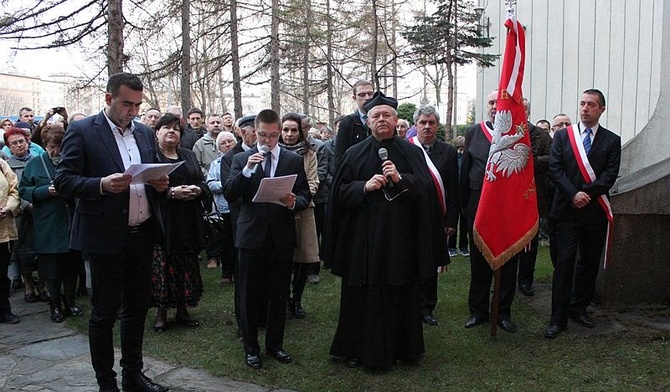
(507, 217)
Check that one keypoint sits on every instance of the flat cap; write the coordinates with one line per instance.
(246, 121)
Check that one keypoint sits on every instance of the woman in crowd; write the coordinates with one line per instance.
(176, 280)
(307, 251)
(58, 265)
(401, 128)
(34, 148)
(18, 141)
(225, 142)
(9, 206)
(4, 127)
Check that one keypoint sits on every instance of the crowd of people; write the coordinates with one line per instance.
(350, 194)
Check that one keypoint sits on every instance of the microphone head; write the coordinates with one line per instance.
(383, 154)
(264, 150)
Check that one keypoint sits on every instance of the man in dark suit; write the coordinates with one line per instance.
(475, 155)
(444, 159)
(265, 238)
(115, 224)
(354, 128)
(584, 165)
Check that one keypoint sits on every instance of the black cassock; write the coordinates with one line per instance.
(382, 244)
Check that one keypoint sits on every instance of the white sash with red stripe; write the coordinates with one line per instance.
(575, 137)
(437, 179)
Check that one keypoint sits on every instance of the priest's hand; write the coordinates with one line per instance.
(580, 199)
(390, 171)
(377, 181)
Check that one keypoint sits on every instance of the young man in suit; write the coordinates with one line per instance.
(584, 164)
(114, 224)
(353, 128)
(265, 238)
(444, 159)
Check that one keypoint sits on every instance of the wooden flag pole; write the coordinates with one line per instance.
(496, 302)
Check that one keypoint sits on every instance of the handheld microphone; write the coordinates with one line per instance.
(384, 156)
(263, 150)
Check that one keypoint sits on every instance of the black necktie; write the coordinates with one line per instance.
(268, 164)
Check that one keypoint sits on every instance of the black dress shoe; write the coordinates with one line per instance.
(507, 325)
(583, 319)
(352, 362)
(428, 319)
(138, 382)
(113, 388)
(253, 361)
(298, 311)
(191, 322)
(475, 320)
(72, 310)
(281, 356)
(527, 290)
(9, 318)
(552, 331)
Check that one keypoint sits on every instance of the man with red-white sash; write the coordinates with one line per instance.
(442, 161)
(475, 156)
(584, 164)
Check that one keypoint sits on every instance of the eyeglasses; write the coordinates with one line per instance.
(17, 142)
(365, 94)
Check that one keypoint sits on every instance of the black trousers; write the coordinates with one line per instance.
(227, 252)
(527, 262)
(462, 234)
(5, 282)
(263, 280)
(574, 280)
(481, 276)
(428, 295)
(60, 269)
(121, 285)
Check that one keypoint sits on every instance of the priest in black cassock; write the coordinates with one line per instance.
(384, 234)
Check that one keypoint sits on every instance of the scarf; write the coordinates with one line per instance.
(298, 148)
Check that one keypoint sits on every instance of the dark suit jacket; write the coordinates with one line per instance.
(604, 157)
(260, 220)
(89, 152)
(540, 142)
(473, 166)
(350, 132)
(445, 159)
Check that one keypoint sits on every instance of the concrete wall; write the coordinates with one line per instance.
(573, 45)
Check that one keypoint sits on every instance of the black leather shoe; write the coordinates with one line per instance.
(190, 322)
(527, 290)
(72, 310)
(552, 331)
(475, 320)
(112, 388)
(9, 318)
(428, 319)
(56, 314)
(507, 325)
(281, 356)
(298, 311)
(253, 361)
(583, 319)
(138, 382)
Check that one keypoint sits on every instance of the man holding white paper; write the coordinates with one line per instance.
(265, 237)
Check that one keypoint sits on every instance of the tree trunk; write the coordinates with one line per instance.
(305, 59)
(274, 58)
(235, 54)
(115, 37)
(185, 56)
(329, 66)
(375, 42)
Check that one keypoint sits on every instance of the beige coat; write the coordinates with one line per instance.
(9, 197)
(307, 250)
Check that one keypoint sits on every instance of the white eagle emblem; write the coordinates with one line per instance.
(506, 155)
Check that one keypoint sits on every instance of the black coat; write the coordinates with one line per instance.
(350, 132)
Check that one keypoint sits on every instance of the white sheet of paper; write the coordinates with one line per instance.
(144, 172)
(272, 189)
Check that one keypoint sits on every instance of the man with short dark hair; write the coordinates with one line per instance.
(228, 121)
(584, 165)
(265, 238)
(114, 224)
(194, 131)
(544, 125)
(353, 128)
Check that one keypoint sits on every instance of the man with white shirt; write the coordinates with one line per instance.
(584, 165)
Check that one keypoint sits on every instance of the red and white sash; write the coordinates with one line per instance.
(575, 137)
(488, 132)
(437, 179)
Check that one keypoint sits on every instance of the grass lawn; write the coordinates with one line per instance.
(456, 359)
